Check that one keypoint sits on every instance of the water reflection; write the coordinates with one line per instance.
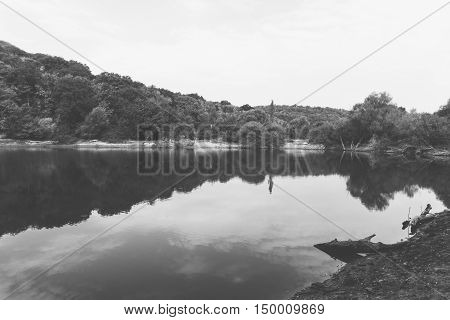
(44, 189)
(270, 182)
(231, 239)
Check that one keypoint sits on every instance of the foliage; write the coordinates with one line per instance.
(61, 67)
(255, 134)
(298, 128)
(74, 98)
(275, 136)
(444, 111)
(19, 122)
(255, 115)
(45, 129)
(95, 124)
(46, 97)
(379, 119)
(324, 133)
(251, 134)
(246, 107)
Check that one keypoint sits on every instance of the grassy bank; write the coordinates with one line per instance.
(415, 269)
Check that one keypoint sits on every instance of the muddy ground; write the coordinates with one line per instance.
(416, 269)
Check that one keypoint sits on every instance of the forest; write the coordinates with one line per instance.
(44, 97)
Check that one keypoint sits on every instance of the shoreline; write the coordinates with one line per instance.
(413, 269)
(134, 145)
(295, 145)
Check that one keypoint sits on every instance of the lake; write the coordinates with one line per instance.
(184, 224)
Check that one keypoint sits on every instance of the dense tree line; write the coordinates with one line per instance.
(48, 98)
(379, 121)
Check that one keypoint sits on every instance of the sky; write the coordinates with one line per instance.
(251, 51)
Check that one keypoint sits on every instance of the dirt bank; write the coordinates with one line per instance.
(166, 144)
(416, 269)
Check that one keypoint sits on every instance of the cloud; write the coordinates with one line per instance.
(252, 51)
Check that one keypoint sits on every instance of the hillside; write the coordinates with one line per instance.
(43, 97)
(46, 97)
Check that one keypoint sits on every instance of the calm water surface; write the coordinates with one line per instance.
(220, 235)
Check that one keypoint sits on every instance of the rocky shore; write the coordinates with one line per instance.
(418, 268)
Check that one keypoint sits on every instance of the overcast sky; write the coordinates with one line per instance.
(251, 51)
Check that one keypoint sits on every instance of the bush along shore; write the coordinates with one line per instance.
(417, 268)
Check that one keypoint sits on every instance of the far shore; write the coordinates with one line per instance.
(133, 144)
(293, 145)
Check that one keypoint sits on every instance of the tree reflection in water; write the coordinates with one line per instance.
(52, 188)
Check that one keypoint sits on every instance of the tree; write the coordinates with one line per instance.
(377, 116)
(246, 107)
(436, 130)
(324, 134)
(45, 128)
(275, 136)
(271, 112)
(12, 117)
(43, 96)
(371, 114)
(196, 96)
(74, 98)
(251, 134)
(227, 126)
(96, 123)
(18, 122)
(76, 69)
(254, 115)
(25, 80)
(444, 111)
(190, 109)
(298, 128)
(27, 74)
(62, 67)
